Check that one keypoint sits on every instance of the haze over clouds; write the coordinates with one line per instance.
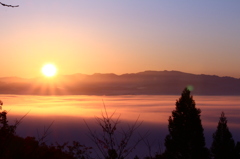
(200, 37)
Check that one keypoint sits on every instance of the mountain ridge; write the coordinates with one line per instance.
(141, 83)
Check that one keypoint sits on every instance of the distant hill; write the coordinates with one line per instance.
(146, 83)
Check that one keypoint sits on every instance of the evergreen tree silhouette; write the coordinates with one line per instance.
(185, 139)
(223, 146)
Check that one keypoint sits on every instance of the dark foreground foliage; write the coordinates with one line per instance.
(14, 147)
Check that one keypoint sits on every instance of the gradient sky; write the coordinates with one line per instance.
(122, 36)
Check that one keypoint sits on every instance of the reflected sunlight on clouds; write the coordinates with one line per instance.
(155, 109)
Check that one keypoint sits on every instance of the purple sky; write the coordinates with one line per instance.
(121, 36)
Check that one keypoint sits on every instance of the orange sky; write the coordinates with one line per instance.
(120, 37)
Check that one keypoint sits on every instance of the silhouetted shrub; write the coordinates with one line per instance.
(15, 147)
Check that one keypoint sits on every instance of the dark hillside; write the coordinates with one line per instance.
(148, 82)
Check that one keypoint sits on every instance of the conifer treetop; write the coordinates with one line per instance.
(223, 145)
(185, 138)
(185, 101)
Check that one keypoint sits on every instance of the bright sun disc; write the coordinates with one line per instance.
(49, 70)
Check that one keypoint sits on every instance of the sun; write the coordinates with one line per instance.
(49, 70)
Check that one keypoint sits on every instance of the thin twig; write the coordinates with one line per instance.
(45, 133)
(7, 5)
(94, 138)
(20, 120)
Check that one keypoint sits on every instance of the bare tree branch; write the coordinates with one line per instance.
(113, 144)
(7, 5)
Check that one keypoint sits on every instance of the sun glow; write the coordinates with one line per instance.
(49, 70)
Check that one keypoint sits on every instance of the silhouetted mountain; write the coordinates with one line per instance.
(148, 82)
